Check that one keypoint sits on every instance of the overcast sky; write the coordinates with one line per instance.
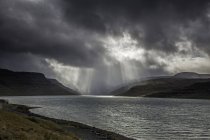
(97, 45)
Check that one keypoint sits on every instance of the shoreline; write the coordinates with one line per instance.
(82, 131)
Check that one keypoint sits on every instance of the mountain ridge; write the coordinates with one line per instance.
(181, 85)
(191, 75)
(30, 84)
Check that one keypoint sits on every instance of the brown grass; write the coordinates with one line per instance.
(19, 127)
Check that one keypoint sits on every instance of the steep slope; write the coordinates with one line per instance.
(56, 82)
(28, 84)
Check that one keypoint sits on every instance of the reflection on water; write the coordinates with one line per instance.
(139, 118)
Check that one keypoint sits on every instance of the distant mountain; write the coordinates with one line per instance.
(123, 88)
(30, 83)
(191, 75)
(183, 85)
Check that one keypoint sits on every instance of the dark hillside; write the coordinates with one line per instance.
(28, 84)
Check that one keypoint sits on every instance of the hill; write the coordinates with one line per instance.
(30, 84)
(191, 75)
(182, 85)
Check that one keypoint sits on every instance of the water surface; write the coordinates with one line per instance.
(139, 118)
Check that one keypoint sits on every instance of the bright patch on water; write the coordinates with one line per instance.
(139, 118)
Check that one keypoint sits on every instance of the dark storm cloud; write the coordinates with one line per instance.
(25, 62)
(38, 28)
(34, 33)
(62, 29)
(157, 24)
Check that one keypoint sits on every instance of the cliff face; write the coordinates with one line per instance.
(28, 84)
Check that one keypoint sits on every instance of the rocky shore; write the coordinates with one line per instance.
(76, 130)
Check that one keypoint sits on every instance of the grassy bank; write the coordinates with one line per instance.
(15, 126)
(18, 123)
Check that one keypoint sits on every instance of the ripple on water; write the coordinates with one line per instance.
(139, 118)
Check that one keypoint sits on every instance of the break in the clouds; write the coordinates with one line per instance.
(97, 45)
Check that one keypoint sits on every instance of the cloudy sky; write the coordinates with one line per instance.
(97, 45)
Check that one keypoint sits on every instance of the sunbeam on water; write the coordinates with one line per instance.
(98, 80)
(102, 78)
(128, 62)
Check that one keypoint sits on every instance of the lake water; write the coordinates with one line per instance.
(139, 118)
